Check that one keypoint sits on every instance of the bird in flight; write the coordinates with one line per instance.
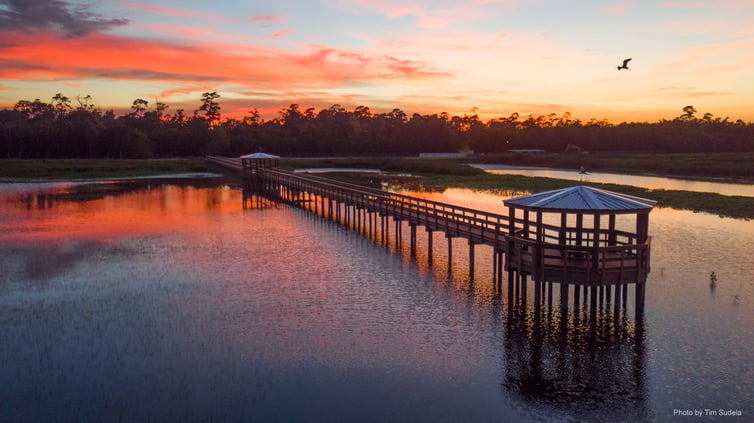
(624, 65)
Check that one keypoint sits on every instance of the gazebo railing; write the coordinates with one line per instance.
(605, 264)
(572, 236)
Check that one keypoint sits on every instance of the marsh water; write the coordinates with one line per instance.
(644, 181)
(186, 301)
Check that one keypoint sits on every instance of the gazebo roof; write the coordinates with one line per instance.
(582, 199)
(260, 155)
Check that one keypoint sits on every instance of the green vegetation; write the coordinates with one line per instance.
(410, 165)
(700, 165)
(103, 168)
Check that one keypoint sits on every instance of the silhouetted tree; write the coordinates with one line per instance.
(139, 106)
(210, 107)
(61, 104)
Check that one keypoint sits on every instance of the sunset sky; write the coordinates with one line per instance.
(491, 57)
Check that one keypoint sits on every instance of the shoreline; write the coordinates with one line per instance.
(699, 178)
(186, 175)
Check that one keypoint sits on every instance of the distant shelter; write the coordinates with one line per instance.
(251, 163)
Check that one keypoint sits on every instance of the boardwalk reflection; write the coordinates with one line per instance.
(571, 347)
(253, 199)
(590, 358)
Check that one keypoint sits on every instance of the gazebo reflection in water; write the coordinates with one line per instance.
(594, 244)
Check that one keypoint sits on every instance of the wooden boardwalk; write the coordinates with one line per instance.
(591, 262)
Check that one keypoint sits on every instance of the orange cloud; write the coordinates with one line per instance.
(47, 56)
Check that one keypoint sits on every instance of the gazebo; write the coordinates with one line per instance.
(578, 250)
(251, 163)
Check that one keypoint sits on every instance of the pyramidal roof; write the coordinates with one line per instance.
(582, 198)
(260, 155)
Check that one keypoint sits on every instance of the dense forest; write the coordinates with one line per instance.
(62, 128)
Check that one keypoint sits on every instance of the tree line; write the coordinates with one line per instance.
(76, 128)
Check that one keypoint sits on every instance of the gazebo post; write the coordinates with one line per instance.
(596, 242)
(642, 227)
(538, 256)
(511, 234)
(512, 221)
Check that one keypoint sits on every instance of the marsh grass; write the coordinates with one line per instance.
(101, 168)
(411, 165)
(706, 166)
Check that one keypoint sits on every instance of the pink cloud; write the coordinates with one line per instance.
(426, 18)
(172, 12)
(176, 13)
(685, 4)
(434, 14)
(267, 19)
(187, 31)
(619, 8)
(281, 33)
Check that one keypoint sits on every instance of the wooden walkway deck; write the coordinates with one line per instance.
(593, 262)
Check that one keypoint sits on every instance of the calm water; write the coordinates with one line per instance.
(650, 182)
(171, 302)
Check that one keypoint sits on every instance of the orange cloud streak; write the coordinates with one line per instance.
(47, 56)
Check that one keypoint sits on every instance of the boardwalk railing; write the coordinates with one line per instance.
(477, 226)
(558, 257)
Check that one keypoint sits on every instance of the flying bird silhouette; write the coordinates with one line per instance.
(624, 65)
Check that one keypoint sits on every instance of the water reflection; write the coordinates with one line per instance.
(649, 182)
(175, 302)
(590, 357)
(592, 360)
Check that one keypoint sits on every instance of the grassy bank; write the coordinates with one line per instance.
(101, 168)
(703, 166)
(412, 165)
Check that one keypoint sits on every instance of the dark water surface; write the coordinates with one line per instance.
(157, 301)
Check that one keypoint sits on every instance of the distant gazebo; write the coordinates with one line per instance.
(251, 163)
(579, 247)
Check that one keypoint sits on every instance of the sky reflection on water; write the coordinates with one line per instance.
(171, 302)
(644, 181)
